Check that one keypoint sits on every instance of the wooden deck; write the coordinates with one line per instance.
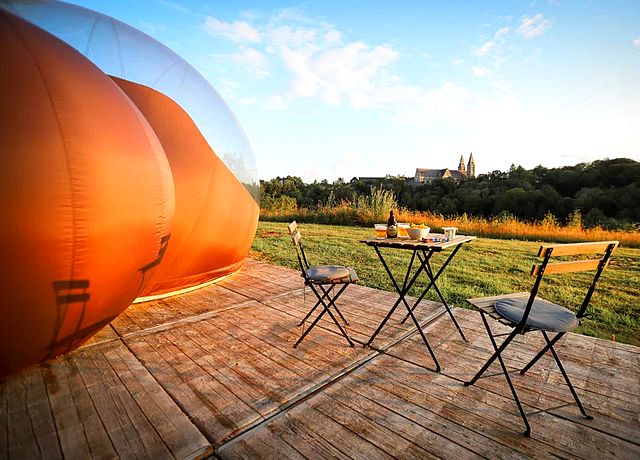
(213, 373)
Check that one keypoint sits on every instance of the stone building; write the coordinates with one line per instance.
(424, 176)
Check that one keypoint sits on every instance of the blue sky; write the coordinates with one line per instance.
(367, 88)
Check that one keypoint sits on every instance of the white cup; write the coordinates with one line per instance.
(449, 232)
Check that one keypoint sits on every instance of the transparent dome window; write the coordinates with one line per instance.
(125, 52)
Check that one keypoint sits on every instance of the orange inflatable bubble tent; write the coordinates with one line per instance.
(123, 177)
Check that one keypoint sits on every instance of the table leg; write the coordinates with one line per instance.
(401, 292)
(444, 302)
(432, 279)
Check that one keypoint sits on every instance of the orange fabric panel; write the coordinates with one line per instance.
(216, 217)
(86, 197)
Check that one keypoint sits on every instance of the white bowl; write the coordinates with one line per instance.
(418, 233)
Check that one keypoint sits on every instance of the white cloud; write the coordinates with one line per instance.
(351, 72)
(480, 71)
(239, 31)
(297, 36)
(317, 61)
(501, 34)
(333, 36)
(253, 61)
(314, 61)
(485, 48)
(637, 42)
(490, 45)
(531, 27)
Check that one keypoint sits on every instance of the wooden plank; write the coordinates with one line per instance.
(149, 315)
(106, 334)
(259, 445)
(4, 419)
(210, 405)
(294, 429)
(257, 289)
(180, 436)
(455, 414)
(326, 358)
(40, 413)
(325, 430)
(334, 351)
(129, 430)
(239, 376)
(612, 437)
(597, 376)
(544, 426)
(19, 430)
(365, 424)
(543, 389)
(80, 430)
(566, 267)
(210, 364)
(570, 249)
(361, 325)
(397, 416)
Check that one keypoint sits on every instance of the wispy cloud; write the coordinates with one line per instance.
(490, 45)
(350, 72)
(253, 61)
(637, 42)
(239, 31)
(485, 48)
(533, 26)
(316, 60)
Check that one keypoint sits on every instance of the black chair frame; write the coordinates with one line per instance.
(521, 328)
(323, 291)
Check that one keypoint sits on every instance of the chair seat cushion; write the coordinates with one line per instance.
(544, 315)
(331, 274)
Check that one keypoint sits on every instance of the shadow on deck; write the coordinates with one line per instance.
(213, 372)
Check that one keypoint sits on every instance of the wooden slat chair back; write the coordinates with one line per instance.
(322, 279)
(547, 267)
(526, 312)
(297, 243)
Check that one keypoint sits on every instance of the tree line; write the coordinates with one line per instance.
(603, 193)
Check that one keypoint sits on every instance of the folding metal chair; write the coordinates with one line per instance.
(525, 312)
(322, 279)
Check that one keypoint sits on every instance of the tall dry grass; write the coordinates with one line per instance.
(368, 210)
(512, 228)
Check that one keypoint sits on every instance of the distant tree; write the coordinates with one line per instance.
(604, 193)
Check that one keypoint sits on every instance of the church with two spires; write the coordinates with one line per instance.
(424, 176)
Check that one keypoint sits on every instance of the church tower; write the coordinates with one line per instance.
(471, 166)
(461, 167)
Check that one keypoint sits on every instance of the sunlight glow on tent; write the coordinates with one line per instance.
(123, 175)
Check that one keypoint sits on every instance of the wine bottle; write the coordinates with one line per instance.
(392, 226)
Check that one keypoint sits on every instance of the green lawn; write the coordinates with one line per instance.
(484, 267)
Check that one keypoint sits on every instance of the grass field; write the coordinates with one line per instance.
(484, 267)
